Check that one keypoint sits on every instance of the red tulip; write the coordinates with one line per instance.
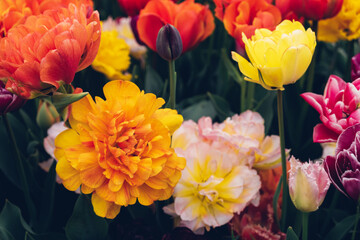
(194, 22)
(133, 7)
(48, 49)
(316, 9)
(244, 16)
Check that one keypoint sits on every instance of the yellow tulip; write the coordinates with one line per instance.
(344, 26)
(278, 57)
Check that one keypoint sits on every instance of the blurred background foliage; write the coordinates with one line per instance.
(209, 84)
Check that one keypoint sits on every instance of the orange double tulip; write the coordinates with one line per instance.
(13, 12)
(244, 16)
(194, 22)
(48, 49)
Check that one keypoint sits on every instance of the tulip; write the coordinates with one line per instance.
(8, 101)
(308, 184)
(35, 60)
(168, 43)
(277, 58)
(133, 7)
(344, 26)
(355, 67)
(47, 114)
(344, 168)
(194, 22)
(338, 108)
(316, 9)
(245, 16)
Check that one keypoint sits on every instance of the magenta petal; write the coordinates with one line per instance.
(346, 138)
(315, 100)
(351, 183)
(322, 134)
(329, 166)
(333, 87)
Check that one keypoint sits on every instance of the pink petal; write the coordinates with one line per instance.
(322, 134)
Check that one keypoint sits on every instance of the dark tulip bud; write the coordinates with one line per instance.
(8, 101)
(168, 43)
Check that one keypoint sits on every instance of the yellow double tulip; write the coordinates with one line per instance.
(278, 57)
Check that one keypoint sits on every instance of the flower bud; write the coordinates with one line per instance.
(308, 184)
(47, 114)
(168, 43)
(8, 101)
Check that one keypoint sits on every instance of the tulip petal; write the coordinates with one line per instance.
(351, 183)
(169, 118)
(246, 68)
(294, 62)
(329, 166)
(322, 134)
(104, 208)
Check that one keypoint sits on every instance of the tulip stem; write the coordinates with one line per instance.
(305, 224)
(353, 236)
(21, 170)
(243, 96)
(283, 158)
(172, 74)
(250, 95)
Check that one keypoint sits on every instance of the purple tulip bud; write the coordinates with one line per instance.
(168, 43)
(8, 101)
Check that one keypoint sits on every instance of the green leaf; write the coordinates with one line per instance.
(12, 221)
(266, 108)
(233, 71)
(221, 106)
(47, 201)
(45, 236)
(291, 235)
(153, 82)
(61, 101)
(7, 156)
(84, 224)
(341, 228)
(5, 235)
(28, 236)
(198, 110)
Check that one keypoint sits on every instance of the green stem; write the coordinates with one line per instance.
(283, 158)
(243, 96)
(21, 170)
(305, 224)
(250, 95)
(353, 236)
(172, 74)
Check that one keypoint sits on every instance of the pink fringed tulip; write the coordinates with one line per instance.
(338, 108)
(308, 184)
(344, 168)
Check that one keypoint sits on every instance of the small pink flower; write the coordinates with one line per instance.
(338, 108)
(308, 184)
(243, 134)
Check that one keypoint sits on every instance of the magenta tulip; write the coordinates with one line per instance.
(344, 168)
(338, 108)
